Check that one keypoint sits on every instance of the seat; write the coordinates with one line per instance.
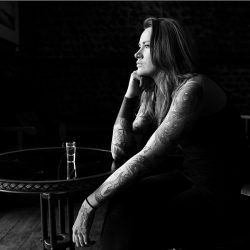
(239, 238)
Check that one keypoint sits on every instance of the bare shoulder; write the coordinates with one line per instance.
(201, 79)
(198, 83)
(190, 93)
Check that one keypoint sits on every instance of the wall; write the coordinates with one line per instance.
(75, 58)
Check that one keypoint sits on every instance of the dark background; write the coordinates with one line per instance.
(68, 75)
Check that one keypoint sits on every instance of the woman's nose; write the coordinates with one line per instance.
(138, 54)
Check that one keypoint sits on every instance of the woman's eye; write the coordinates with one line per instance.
(144, 46)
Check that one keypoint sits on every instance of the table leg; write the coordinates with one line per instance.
(50, 238)
(44, 222)
(61, 211)
(52, 220)
(70, 220)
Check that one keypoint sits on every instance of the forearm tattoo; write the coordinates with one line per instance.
(128, 173)
(125, 135)
(122, 138)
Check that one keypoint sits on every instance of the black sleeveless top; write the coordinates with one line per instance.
(215, 150)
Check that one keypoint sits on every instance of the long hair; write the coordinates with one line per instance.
(171, 54)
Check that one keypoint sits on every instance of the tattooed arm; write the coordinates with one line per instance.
(129, 136)
(185, 108)
(125, 142)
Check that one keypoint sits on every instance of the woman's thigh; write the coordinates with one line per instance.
(134, 216)
(164, 209)
(153, 191)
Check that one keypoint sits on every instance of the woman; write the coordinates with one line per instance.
(177, 108)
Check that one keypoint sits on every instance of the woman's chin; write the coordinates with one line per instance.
(141, 72)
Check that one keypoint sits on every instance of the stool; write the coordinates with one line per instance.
(51, 238)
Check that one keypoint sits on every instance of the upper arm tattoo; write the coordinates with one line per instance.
(183, 112)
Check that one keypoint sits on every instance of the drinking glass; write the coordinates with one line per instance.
(71, 156)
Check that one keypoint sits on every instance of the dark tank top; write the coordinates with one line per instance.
(215, 150)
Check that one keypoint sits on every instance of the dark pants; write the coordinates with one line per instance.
(164, 211)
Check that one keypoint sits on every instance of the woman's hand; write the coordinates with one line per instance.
(82, 226)
(137, 84)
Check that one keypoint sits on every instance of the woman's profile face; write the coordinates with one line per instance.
(144, 63)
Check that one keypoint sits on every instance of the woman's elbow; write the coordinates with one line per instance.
(118, 154)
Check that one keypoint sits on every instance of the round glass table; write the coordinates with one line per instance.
(44, 171)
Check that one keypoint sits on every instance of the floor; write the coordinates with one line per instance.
(20, 227)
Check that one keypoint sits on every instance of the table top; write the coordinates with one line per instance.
(39, 170)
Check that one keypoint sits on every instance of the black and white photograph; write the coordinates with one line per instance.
(125, 125)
